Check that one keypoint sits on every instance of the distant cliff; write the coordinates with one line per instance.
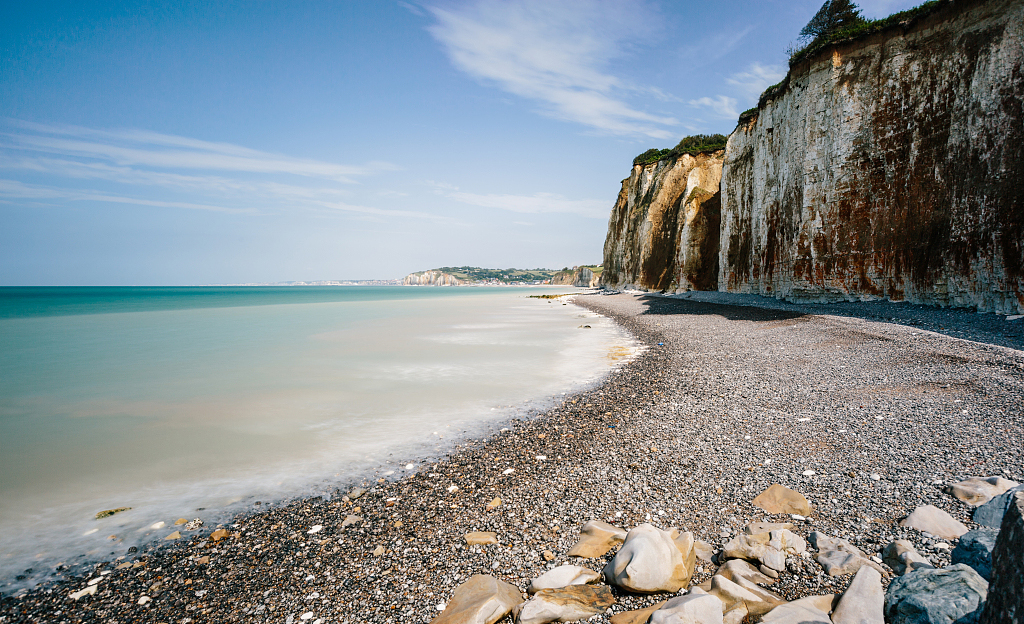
(888, 166)
(582, 276)
(432, 278)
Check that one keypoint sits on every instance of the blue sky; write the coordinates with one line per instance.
(230, 142)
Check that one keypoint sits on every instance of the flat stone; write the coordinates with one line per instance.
(482, 599)
(88, 591)
(933, 520)
(787, 541)
(696, 607)
(980, 490)
(739, 568)
(219, 534)
(936, 596)
(356, 493)
(901, 556)
(174, 536)
(568, 604)
(739, 594)
(494, 504)
(863, 602)
(476, 538)
(637, 616)
(106, 513)
(596, 539)
(350, 520)
(975, 549)
(180, 521)
(563, 576)
(765, 527)
(779, 499)
(803, 611)
(991, 513)
(1006, 593)
(652, 560)
(840, 562)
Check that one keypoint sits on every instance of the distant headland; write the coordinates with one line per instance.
(583, 275)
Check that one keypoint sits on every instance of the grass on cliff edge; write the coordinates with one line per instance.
(692, 145)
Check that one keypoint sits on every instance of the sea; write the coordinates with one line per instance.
(201, 402)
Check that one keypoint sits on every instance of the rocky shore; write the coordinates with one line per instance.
(869, 420)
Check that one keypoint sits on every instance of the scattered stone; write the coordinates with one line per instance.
(705, 552)
(378, 551)
(482, 599)
(563, 576)
(936, 596)
(652, 560)
(779, 499)
(174, 536)
(476, 538)
(991, 513)
(980, 490)
(316, 528)
(106, 513)
(193, 524)
(548, 555)
(568, 604)
(765, 527)
(637, 616)
(864, 601)
(739, 568)
(838, 556)
(755, 548)
(356, 493)
(596, 539)
(219, 534)
(144, 599)
(933, 520)
(743, 599)
(494, 504)
(902, 558)
(180, 521)
(88, 591)
(975, 549)
(803, 611)
(1006, 593)
(697, 607)
(350, 520)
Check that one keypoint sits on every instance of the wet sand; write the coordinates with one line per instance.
(734, 399)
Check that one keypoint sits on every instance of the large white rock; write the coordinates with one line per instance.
(980, 490)
(740, 568)
(652, 560)
(863, 601)
(742, 597)
(933, 520)
(482, 599)
(596, 539)
(567, 604)
(697, 607)
(563, 576)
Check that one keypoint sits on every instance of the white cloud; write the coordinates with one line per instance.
(536, 203)
(722, 106)
(756, 78)
(556, 54)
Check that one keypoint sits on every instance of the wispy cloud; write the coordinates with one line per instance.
(556, 54)
(757, 78)
(158, 170)
(721, 106)
(536, 203)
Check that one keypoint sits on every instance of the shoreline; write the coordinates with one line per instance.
(663, 439)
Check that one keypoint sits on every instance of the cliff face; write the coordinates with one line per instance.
(888, 167)
(432, 278)
(663, 232)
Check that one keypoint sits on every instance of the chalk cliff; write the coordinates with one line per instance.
(887, 166)
(663, 232)
(581, 276)
(432, 278)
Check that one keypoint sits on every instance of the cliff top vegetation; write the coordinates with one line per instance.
(693, 145)
(831, 26)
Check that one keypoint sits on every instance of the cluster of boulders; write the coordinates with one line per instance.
(984, 584)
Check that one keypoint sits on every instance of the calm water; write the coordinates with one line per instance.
(168, 400)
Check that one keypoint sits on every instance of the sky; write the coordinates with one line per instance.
(155, 143)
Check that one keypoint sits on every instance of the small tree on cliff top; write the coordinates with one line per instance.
(832, 16)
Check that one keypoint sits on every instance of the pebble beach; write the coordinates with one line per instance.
(867, 414)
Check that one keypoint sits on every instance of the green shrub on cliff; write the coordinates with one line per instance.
(693, 145)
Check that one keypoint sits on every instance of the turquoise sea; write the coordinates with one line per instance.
(197, 402)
